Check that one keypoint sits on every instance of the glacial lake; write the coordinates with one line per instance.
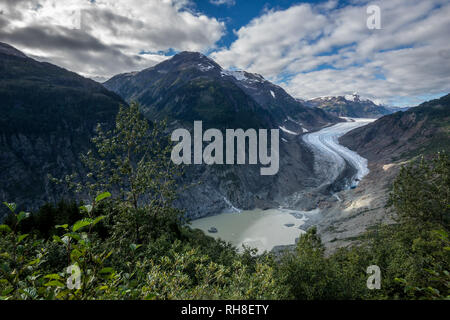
(260, 229)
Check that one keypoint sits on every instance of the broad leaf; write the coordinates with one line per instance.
(107, 270)
(86, 208)
(53, 276)
(54, 283)
(5, 228)
(97, 220)
(72, 235)
(21, 237)
(102, 196)
(22, 215)
(81, 224)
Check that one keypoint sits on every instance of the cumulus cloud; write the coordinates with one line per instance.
(104, 37)
(310, 49)
(326, 49)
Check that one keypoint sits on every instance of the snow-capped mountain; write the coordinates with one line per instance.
(351, 105)
(191, 86)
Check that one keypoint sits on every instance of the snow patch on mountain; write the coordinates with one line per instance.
(288, 131)
(243, 76)
(351, 97)
(205, 67)
(238, 75)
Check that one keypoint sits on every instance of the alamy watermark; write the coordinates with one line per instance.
(74, 281)
(374, 280)
(374, 17)
(235, 147)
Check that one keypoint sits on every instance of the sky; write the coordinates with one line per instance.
(310, 48)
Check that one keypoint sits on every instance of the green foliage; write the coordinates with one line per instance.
(421, 192)
(43, 221)
(309, 275)
(438, 284)
(133, 161)
(130, 243)
(158, 270)
(413, 254)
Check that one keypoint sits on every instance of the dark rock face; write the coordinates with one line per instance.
(190, 87)
(351, 106)
(48, 117)
(215, 188)
(403, 135)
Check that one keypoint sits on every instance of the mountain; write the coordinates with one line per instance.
(191, 86)
(351, 106)
(387, 143)
(403, 135)
(397, 109)
(48, 117)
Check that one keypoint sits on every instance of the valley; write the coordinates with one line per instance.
(222, 152)
(281, 227)
(334, 167)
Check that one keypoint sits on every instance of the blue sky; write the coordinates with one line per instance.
(310, 48)
(240, 14)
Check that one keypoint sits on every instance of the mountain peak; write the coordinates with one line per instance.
(188, 59)
(350, 105)
(191, 56)
(352, 97)
(10, 50)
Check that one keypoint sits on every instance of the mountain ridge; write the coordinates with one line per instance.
(158, 87)
(351, 106)
(191, 86)
(403, 135)
(48, 117)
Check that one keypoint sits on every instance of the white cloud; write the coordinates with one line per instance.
(105, 37)
(229, 3)
(310, 49)
(317, 50)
